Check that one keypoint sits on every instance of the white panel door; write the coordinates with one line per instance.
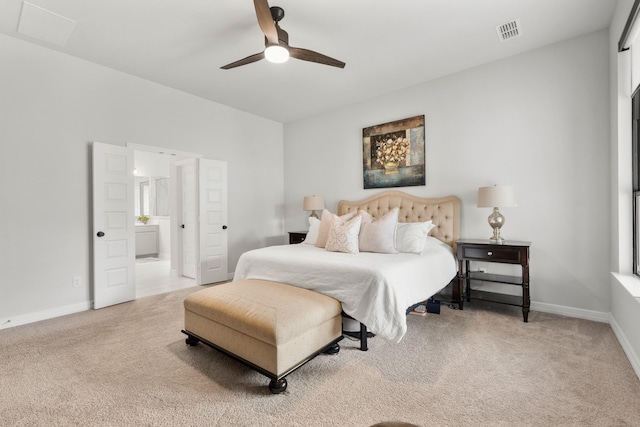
(113, 225)
(189, 214)
(213, 221)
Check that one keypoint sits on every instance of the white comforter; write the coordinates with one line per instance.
(375, 289)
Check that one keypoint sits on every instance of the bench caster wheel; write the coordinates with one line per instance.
(191, 341)
(278, 386)
(334, 349)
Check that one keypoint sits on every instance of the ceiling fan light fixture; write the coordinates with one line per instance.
(276, 54)
(276, 41)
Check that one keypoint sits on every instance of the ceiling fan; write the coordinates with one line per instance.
(277, 47)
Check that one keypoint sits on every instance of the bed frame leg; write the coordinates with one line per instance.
(363, 337)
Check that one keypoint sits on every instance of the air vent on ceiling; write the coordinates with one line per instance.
(509, 30)
(44, 25)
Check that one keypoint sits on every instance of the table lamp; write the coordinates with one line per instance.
(495, 197)
(313, 204)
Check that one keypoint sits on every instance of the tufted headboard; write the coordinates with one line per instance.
(444, 212)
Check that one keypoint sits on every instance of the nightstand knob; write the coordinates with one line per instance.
(489, 253)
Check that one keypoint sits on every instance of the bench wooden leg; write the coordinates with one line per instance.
(334, 349)
(278, 386)
(191, 340)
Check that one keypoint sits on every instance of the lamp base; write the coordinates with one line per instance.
(313, 215)
(497, 240)
(496, 221)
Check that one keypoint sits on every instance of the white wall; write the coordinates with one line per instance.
(51, 107)
(539, 121)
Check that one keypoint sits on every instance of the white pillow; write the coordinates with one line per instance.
(325, 226)
(312, 234)
(379, 235)
(343, 235)
(411, 236)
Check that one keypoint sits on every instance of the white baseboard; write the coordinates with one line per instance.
(580, 313)
(633, 357)
(9, 322)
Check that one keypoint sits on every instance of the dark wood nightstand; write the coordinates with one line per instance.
(297, 236)
(509, 252)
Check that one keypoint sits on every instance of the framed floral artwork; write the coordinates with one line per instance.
(393, 154)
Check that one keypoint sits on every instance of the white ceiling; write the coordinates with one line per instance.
(387, 45)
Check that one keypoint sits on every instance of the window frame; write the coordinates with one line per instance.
(635, 159)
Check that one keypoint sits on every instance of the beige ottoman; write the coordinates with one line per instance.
(272, 327)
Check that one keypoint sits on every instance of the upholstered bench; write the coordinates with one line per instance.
(272, 327)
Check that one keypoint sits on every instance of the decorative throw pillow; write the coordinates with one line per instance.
(312, 234)
(412, 236)
(343, 235)
(325, 226)
(379, 235)
(366, 218)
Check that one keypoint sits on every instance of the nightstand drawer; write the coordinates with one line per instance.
(491, 254)
(297, 237)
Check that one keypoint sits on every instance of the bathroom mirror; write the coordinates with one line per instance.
(151, 196)
(141, 196)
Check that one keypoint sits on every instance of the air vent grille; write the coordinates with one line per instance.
(45, 25)
(509, 30)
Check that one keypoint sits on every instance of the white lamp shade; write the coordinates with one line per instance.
(313, 203)
(497, 196)
(276, 54)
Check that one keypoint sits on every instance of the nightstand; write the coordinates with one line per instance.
(509, 252)
(297, 237)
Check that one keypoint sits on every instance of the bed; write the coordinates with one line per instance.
(374, 288)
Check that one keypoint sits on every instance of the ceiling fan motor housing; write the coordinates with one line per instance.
(277, 13)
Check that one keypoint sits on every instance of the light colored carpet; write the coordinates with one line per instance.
(129, 365)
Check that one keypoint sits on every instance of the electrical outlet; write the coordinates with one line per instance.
(77, 281)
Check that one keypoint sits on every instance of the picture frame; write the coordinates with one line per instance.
(393, 154)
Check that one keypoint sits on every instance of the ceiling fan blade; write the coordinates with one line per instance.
(248, 60)
(265, 20)
(311, 56)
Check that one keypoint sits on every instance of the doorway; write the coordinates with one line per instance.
(156, 270)
(114, 219)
